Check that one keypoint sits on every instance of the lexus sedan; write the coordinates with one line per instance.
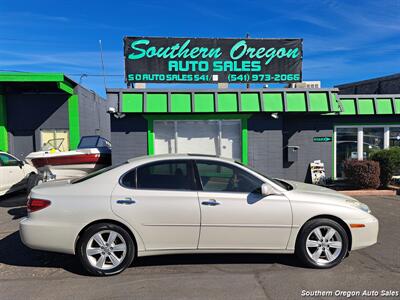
(170, 204)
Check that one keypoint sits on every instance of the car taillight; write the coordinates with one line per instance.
(37, 204)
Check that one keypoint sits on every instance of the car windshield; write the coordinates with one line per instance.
(93, 142)
(52, 144)
(96, 173)
(278, 182)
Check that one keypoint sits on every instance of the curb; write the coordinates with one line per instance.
(369, 192)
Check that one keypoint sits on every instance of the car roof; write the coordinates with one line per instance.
(149, 158)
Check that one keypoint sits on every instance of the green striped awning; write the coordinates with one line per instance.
(369, 104)
(225, 101)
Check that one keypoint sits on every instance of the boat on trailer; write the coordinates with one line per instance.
(93, 153)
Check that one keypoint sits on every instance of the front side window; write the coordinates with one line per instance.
(220, 177)
(168, 175)
(8, 161)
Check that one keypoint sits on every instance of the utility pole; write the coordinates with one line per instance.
(102, 65)
(247, 84)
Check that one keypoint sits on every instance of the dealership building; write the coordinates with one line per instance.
(277, 131)
(38, 107)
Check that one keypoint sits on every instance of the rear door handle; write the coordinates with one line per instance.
(127, 201)
(211, 202)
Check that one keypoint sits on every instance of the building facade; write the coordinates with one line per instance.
(277, 131)
(37, 107)
(380, 85)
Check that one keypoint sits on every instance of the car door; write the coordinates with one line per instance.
(160, 202)
(234, 214)
(12, 174)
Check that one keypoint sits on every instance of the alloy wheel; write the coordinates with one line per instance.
(324, 245)
(106, 249)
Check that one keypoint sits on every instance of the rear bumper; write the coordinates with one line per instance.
(43, 236)
(365, 236)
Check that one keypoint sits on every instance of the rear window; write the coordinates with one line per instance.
(167, 175)
(96, 173)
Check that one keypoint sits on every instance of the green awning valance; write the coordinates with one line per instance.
(369, 104)
(225, 101)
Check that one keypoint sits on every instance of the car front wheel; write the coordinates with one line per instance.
(105, 249)
(322, 243)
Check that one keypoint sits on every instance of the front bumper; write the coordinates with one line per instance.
(365, 236)
(43, 236)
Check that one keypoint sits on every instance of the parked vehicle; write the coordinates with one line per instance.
(93, 153)
(171, 204)
(15, 174)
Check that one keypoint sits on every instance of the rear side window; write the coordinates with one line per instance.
(168, 175)
(129, 179)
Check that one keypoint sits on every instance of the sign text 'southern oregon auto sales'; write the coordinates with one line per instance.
(204, 60)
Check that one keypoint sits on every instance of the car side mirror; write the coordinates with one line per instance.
(21, 163)
(267, 190)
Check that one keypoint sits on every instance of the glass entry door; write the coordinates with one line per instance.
(214, 137)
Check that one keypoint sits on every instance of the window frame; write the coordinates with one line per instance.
(193, 182)
(200, 184)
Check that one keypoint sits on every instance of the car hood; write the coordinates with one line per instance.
(316, 193)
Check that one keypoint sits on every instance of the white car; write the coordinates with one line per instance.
(15, 174)
(170, 204)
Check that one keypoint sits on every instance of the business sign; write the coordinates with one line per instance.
(321, 139)
(203, 60)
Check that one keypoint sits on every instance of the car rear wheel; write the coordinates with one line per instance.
(105, 249)
(322, 243)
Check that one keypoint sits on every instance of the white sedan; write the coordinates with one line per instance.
(15, 174)
(171, 204)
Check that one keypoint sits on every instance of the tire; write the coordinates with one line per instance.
(101, 258)
(316, 249)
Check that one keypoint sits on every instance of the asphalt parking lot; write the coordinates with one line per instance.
(29, 274)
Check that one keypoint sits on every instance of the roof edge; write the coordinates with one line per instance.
(366, 81)
(35, 77)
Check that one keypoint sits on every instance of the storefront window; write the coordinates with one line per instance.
(164, 137)
(212, 137)
(373, 140)
(231, 139)
(394, 140)
(346, 147)
(198, 136)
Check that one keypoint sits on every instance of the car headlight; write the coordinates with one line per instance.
(359, 205)
(364, 207)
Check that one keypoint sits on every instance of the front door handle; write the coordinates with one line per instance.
(211, 202)
(127, 201)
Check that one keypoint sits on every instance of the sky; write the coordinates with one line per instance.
(344, 41)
